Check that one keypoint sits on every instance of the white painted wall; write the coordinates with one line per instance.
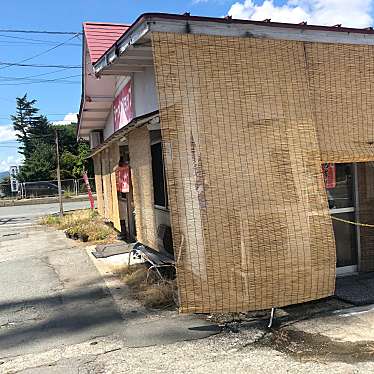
(109, 125)
(145, 95)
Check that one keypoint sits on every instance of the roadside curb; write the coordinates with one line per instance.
(41, 200)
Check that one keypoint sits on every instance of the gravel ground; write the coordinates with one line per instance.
(224, 353)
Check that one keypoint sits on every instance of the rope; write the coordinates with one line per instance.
(352, 222)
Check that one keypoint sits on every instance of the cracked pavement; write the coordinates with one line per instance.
(51, 293)
(59, 314)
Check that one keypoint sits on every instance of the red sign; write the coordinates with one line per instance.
(90, 197)
(123, 107)
(122, 178)
(329, 175)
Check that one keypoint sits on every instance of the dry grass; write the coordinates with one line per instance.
(155, 293)
(82, 222)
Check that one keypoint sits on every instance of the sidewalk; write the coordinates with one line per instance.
(42, 200)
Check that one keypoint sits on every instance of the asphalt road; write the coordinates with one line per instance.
(57, 312)
(32, 212)
(51, 294)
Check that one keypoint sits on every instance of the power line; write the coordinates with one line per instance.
(41, 66)
(41, 53)
(50, 80)
(31, 41)
(33, 76)
(41, 32)
(45, 114)
(28, 83)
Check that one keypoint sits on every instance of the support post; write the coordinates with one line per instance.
(59, 175)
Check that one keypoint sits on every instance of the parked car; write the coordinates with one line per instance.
(41, 189)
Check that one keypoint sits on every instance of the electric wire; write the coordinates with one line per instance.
(41, 65)
(47, 80)
(35, 41)
(40, 32)
(32, 76)
(39, 54)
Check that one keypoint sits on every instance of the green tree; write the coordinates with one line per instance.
(40, 165)
(73, 164)
(29, 125)
(37, 138)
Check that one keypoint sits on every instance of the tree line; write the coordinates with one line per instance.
(36, 136)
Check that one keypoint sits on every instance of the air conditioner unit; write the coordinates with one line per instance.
(96, 138)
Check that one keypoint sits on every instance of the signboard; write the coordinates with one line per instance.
(123, 110)
(14, 185)
(122, 178)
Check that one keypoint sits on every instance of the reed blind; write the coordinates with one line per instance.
(250, 221)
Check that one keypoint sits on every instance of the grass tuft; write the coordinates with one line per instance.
(82, 222)
(155, 293)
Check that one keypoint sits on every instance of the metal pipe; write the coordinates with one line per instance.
(271, 317)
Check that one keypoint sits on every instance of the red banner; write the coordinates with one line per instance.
(123, 110)
(122, 178)
(90, 196)
(329, 175)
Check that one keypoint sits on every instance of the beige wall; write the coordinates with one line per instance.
(147, 217)
(113, 153)
(99, 184)
(105, 180)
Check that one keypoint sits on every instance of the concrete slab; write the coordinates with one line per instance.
(107, 250)
(168, 331)
(349, 325)
(356, 289)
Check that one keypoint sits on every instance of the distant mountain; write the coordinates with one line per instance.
(3, 174)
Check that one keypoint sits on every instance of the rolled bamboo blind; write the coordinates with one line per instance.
(251, 227)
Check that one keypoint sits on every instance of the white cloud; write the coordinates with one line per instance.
(350, 13)
(69, 118)
(7, 133)
(10, 161)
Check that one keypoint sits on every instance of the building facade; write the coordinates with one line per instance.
(251, 142)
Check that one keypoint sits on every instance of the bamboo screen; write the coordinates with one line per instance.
(251, 227)
(342, 84)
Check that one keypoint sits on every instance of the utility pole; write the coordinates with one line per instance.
(58, 175)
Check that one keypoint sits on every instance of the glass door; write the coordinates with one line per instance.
(339, 182)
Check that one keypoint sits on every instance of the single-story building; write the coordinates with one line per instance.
(250, 146)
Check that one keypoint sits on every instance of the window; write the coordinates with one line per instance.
(158, 172)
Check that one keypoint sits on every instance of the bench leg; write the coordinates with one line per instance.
(157, 271)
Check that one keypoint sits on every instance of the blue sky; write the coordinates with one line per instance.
(58, 99)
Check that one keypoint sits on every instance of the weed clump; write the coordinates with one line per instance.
(81, 224)
(149, 288)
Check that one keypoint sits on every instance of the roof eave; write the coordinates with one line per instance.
(131, 36)
(162, 22)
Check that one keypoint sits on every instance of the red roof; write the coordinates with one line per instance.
(101, 36)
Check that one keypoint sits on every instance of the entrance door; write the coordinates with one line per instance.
(340, 188)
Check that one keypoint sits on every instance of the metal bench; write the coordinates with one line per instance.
(155, 258)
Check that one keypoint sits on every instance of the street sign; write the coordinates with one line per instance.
(13, 172)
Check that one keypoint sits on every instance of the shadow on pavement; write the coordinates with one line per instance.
(68, 317)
